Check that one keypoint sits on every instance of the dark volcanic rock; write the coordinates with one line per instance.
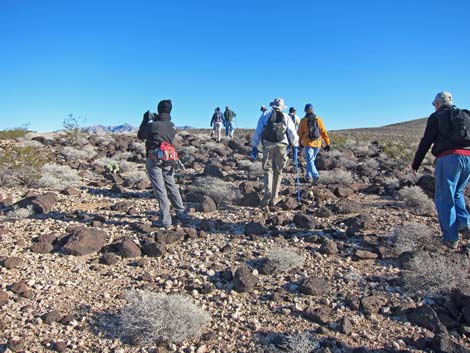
(42, 248)
(128, 248)
(52, 316)
(85, 241)
(345, 326)
(319, 315)
(314, 286)
(305, 221)
(254, 228)
(251, 199)
(213, 171)
(154, 249)
(3, 298)
(371, 304)
(364, 255)
(109, 259)
(12, 262)
(348, 206)
(424, 316)
(208, 204)
(328, 247)
(40, 203)
(244, 280)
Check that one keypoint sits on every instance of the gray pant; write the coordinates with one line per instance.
(163, 184)
(274, 160)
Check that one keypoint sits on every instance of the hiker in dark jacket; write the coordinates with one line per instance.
(452, 171)
(216, 123)
(155, 129)
(229, 115)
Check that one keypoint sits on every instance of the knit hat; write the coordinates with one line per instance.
(291, 110)
(164, 106)
(443, 98)
(308, 106)
(263, 108)
(278, 103)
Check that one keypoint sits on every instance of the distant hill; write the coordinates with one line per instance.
(102, 129)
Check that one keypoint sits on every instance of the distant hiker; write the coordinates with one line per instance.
(276, 131)
(216, 123)
(158, 132)
(448, 131)
(295, 118)
(311, 132)
(229, 115)
(264, 110)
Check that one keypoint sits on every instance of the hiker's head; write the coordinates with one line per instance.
(308, 108)
(278, 104)
(227, 108)
(217, 109)
(164, 106)
(442, 99)
(263, 108)
(292, 110)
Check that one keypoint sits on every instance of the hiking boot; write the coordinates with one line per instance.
(308, 180)
(315, 181)
(183, 216)
(266, 200)
(465, 233)
(452, 245)
(159, 224)
(275, 201)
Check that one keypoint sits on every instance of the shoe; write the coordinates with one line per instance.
(315, 180)
(465, 232)
(308, 180)
(453, 245)
(159, 224)
(265, 201)
(275, 201)
(183, 216)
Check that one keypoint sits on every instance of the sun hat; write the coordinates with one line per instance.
(278, 103)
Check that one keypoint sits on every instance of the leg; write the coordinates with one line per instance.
(267, 164)
(155, 173)
(313, 167)
(463, 217)
(309, 158)
(172, 189)
(279, 163)
(447, 174)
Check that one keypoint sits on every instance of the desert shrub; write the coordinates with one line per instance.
(150, 317)
(283, 259)
(14, 133)
(216, 188)
(138, 147)
(104, 139)
(337, 139)
(344, 162)
(72, 126)
(122, 156)
(20, 212)
(57, 177)
(371, 163)
(338, 176)
(398, 151)
(82, 154)
(244, 164)
(362, 149)
(433, 273)
(412, 237)
(21, 165)
(118, 166)
(30, 143)
(416, 199)
(135, 177)
(291, 343)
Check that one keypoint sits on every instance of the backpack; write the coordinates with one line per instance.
(166, 152)
(275, 128)
(459, 131)
(217, 117)
(314, 132)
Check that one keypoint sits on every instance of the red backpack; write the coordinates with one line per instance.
(166, 152)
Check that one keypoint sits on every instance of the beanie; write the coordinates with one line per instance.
(164, 106)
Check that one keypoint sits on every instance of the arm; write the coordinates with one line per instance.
(324, 133)
(144, 130)
(430, 134)
(259, 129)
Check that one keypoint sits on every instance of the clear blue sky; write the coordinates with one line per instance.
(361, 63)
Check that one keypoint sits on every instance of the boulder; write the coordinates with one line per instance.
(244, 280)
(348, 206)
(127, 248)
(12, 262)
(42, 247)
(208, 204)
(328, 247)
(314, 286)
(154, 249)
(254, 228)
(426, 317)
(371, 304)
(85, 241)
(304, 221)
(319, 315)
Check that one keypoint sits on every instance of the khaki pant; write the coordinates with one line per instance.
(274, 160)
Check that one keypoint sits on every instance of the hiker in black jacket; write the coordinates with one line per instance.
(154, 130)
(452, 170)
(216, 123)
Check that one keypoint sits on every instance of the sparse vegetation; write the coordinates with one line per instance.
(412, 237)
(73, 154)
(291, 343)
(283, 259)
(337, 176)
(135, 177)
(152, 317)
(20, 212)
(72, 125)
(14, 133)
(57, 177)
(416, 199)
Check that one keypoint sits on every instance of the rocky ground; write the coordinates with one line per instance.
(69, 253)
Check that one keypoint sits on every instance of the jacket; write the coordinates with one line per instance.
(229, 115)
(157, 130)
(290, 137)
(438, 122)
(304, 134)
(214, 118)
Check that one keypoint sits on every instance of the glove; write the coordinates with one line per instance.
(254, 153)
(326, 148)
(295, 150)
(147, 116)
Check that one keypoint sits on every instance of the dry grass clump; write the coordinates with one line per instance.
(135, 177)
(118, 166)
(21, 165)
(216, 188)
(105, 139)
(30, 143)
(339, 176)
(291, 343)
(57, 177)
(21, 212)
(416, 199)
(73, 154)
(11, 134)
(283, 259)
(122, 156)
(433, 273)
(412, 237)
(153, 317)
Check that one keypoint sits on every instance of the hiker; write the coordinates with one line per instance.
(311, 132)
(229, 115)
(276, 131)
(452, 170)
(263, 109)
(157, 131)
(295, 118)
(216, 123)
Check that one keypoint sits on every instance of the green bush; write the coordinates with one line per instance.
(9, 134)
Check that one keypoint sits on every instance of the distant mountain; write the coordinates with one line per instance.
(101, 129)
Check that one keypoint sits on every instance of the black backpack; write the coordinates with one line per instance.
(459, 131)
(275, 129)
(313, 128)
(217, 117)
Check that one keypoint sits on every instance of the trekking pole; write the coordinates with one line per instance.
(296, 152)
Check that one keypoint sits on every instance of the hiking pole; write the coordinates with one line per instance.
(296, 159)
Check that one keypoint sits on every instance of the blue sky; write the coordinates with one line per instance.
(360, 63)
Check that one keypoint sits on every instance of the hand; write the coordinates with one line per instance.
(326, 148)
(254, 153)
(147, 115)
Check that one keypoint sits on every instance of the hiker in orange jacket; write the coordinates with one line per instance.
(311, 132)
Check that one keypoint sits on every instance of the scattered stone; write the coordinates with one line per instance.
(3, 298)
(328, 247)
(128, 248)
(371, 304)
(20, 288)
(348, 206)
(109, 259)
(364, 255)
(244, 280)
(12, 262)
(85, 241)
(343, 191)
(16, 345)
(71, 191)
(42, 248)
(345, 326)
(319, 315)
(154, 249)
(60, 346)
(254, 228)
(251, 199)
(424, 316)
(208, 204)
(52, 316)
(117, 189)
(304, 221)
(314, 286)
